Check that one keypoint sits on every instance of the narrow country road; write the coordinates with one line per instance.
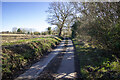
(65, 69)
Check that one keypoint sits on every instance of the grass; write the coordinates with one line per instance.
(96, 63)
(21, 41)
(28, 40)
(23, 52)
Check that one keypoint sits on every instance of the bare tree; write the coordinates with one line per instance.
(14, 29)
(60, 14)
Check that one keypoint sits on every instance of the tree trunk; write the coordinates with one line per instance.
(60, 31)
(61, 27)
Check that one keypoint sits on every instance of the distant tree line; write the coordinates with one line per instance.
(22, 31)
(49, 31)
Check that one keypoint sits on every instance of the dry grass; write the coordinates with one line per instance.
(15, 37)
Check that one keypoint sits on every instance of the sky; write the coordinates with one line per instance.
(25, 15)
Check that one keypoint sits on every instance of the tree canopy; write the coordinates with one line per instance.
(60, 14)
(99, 23)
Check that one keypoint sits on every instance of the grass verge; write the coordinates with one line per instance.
(96, 64)
(16, 56)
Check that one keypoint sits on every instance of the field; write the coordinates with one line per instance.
(16, 37)
(20, 51)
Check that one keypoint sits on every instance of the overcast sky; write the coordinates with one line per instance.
(24, 15)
